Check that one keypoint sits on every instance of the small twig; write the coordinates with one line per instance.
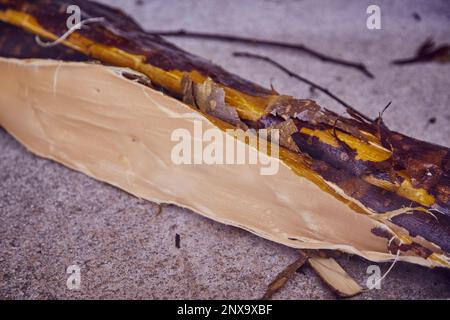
(270, 43)
(384, 109)
(284, 276)
(379, 120)
(292, 74)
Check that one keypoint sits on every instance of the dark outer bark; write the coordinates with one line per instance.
(15, 43)
(123, 32)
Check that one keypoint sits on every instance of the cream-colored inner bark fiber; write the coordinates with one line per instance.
(92, 119)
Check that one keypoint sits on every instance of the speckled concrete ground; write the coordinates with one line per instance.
(52, 217)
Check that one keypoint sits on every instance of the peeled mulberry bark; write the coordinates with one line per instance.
(400, 183)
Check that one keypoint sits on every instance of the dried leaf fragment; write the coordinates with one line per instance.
(209, 98)
(286, 129)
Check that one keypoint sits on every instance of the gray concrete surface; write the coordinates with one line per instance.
(52, 217)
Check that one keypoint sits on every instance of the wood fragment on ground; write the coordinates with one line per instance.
(335, 277)
(326, 267)
(284, 276)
